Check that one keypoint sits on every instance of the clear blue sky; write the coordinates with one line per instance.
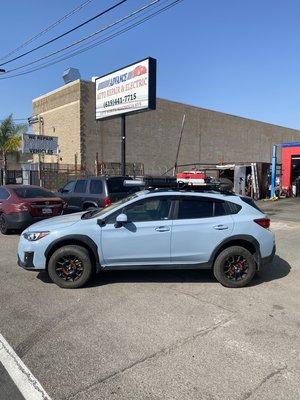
(239, 57)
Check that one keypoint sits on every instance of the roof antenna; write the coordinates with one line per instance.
(179, 143)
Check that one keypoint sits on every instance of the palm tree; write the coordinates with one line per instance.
(10, 139)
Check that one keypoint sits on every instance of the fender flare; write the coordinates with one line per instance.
(247, 238)
(86, 240)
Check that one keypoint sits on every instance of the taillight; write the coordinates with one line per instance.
(263, 222)
(20, 207)
(107, 202)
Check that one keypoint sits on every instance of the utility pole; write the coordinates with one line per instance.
(123, 145)
(273, 175)
(179, 143)
(40, 120)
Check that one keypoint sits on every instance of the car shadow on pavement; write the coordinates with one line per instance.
(278, 269)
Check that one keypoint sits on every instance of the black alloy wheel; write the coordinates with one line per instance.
(235, 267)
(70, 267)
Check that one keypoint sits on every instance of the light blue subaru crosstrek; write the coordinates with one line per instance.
(153, 229)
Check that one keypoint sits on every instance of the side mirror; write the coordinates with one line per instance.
(121, 220)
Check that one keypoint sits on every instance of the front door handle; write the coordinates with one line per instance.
(162, 229)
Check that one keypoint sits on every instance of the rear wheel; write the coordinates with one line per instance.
(3, 224)
(70, 267)
(234, 267)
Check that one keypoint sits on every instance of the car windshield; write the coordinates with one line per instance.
(32, 192)
(98, 213)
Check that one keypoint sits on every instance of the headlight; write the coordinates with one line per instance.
(33, 236)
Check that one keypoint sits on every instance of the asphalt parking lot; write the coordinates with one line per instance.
(159, 335)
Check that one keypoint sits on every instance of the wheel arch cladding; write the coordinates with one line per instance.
(246, 241)
(75, 240)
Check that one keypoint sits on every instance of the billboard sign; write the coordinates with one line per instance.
(127, 90)
(39, 144)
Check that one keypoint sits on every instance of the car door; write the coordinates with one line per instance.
(199, 225)
(66, 191)
(144, 240)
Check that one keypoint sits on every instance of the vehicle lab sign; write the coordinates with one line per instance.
(39, 144)
(127, 90)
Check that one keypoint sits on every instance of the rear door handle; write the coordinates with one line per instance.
(220, 227)
(162, 229)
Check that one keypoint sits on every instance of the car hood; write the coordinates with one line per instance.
(55, 223)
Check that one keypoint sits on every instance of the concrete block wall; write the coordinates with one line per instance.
(152, 136)
(60, 110)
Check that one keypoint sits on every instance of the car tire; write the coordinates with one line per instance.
(66, 259)
(234, 267)
(3, 224)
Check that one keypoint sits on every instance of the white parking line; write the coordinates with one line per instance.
(27, 384)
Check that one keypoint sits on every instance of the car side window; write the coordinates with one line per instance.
(80, 186)
(96, 186)
(152, 209)
(4, 194)
(195, 207)
(220, 209)
(68, 187)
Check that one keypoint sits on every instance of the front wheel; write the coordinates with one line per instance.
(234, 267)
(70, 267)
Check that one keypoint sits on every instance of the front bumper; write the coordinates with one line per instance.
(28, 261)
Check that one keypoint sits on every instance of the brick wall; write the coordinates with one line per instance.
(60, 110)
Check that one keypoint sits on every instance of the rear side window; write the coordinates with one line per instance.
(4, 194)
(220, 209)
(32, 192)
(232, 208)
(192, 208)
(250, 202)
(80, 186)
(96, 186)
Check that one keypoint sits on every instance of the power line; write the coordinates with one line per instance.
(87, 37)
(118, 33)
(48, 28)
(67, 32)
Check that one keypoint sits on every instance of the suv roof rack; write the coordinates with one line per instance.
(171, 183)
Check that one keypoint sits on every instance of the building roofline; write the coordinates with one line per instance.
(169, 101)
(227, 114)
(67, 85)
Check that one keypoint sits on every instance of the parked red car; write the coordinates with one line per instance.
(23, 205)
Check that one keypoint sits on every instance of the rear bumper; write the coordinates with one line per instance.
(270, 258)
(21, 220)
